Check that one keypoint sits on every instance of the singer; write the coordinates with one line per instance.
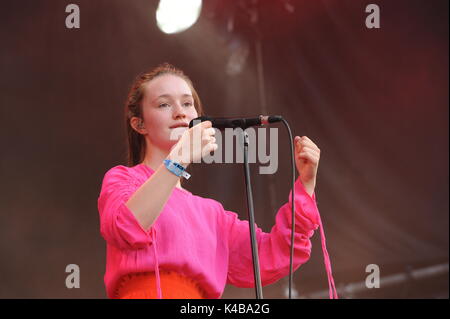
(165, 242)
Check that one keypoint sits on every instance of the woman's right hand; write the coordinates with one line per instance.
(194, 144)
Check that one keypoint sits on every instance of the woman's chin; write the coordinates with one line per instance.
(177, 132)
(175, 135)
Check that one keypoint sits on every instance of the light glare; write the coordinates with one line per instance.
(173, 16)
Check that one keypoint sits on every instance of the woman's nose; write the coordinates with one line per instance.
(179, 111)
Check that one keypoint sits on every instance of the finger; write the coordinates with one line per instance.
(297, 141)
(198, 123)
(310, 149)
(307, 141)
(306, 152)
(209, 131)
(211, 147)
(309, 156)
(209, 139)
(310, 146)
(309, 152)
(206, 124)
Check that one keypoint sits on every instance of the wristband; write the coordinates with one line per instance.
(176, 168)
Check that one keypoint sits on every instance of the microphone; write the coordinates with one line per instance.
(243, 123)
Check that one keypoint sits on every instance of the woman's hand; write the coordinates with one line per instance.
(194, 144)
(307, 156)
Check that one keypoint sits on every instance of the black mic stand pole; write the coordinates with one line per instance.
(251, 218)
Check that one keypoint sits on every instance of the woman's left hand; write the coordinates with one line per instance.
(307, 156)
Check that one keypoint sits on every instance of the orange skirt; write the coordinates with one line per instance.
(173, 286)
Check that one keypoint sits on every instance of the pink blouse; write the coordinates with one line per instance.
(198, 238)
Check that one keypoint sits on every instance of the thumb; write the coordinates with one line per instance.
(296, 141)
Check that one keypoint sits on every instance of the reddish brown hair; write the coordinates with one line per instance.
(133, 107)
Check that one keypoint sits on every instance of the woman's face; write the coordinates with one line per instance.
(167, 102)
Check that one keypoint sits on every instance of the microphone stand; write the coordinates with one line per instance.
(251, 217)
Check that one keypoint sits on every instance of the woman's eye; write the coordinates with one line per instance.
(187, 104)
(163, 105)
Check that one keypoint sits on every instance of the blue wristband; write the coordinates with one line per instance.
(176, 168)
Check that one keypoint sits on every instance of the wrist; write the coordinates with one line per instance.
(176, 168)
(178, 159)
(309, 187)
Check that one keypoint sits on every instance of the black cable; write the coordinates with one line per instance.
(291, 266)
(251, 219)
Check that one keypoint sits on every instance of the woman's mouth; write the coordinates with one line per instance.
(180, 125)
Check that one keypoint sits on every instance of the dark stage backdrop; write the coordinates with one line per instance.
(374, 100)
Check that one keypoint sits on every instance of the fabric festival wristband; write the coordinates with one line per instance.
(176, 169)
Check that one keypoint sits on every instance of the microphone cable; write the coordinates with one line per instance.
(291, 257)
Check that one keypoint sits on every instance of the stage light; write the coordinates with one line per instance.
(173, 16)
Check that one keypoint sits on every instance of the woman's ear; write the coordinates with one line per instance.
(138, 125)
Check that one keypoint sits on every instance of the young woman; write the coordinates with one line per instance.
(165, 242)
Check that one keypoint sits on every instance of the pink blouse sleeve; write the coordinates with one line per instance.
(118, 225)
(273, 247)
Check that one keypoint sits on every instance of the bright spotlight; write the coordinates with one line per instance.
(173, 16)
